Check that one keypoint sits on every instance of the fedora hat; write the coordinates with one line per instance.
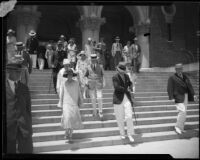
(10, 31)
(117, 38)
(66, 61)
(19, 44)
(121, 67)
(71, 40)
(89, 39)
(93, 56)
(82, 53)
(179, 66)
(62, 36)
(69, 71)
(135, 38)
(59, 42)
(32, 33)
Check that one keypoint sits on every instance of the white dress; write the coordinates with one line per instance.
(70, 101)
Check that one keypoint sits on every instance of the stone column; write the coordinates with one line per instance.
(143, 41)
(90, 27)
(27, 19)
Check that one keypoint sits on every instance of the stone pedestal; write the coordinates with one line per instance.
(27, 19)
(144, 44)
(90, 27)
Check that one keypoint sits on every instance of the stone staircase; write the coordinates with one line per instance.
(155, 114)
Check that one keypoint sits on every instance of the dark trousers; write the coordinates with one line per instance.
(55, 73)
(107, 63)
(136, 65)
(20, 144)
(117, 58)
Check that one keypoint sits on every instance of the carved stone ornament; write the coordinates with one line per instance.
(169, 12)
(92, 23)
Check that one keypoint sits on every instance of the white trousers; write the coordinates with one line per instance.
(96, 94)
(41, 63)
(33, 59)
(123, 112)
(182, 112)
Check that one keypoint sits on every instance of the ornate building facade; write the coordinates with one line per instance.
(155, 27)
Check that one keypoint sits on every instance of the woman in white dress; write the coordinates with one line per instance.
(70, 101)
(81, 68)
(49, 54)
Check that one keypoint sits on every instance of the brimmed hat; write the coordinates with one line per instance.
(117, 38)
(66, 61)
(32, 33)
(62, 36)
(93, 56)
(10, 31)
(69, 71)
(121, 67)
(82, 53)
(17, 59)
(71, 40)
(135, 38)
(89, 39)
(59, 42)
(179, 66)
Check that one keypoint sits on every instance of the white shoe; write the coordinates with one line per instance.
(178, 130)
(100, 115)
(123, 137)
(131, 139)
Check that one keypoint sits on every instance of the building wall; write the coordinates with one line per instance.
(184, 38)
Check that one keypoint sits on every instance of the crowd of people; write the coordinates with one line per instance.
(77, 76)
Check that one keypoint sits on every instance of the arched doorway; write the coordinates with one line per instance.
(118, 21)
(57, 20)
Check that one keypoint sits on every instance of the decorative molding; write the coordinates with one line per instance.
(92, 23)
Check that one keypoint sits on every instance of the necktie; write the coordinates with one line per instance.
(16, 86)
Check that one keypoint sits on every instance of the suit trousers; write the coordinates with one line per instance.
(25, 76)
(117, 58)
(41, 63)
(182, 112)
(123, 112)
(93, 94)
(34, 60)
(20, 144)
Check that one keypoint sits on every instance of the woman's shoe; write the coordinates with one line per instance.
(122, 137)
(131, 139)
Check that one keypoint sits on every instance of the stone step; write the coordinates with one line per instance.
(111, 131)
(111, 116)
(86, 111)
(61, 146)
(88, 100)
(105, 95)
(105, 105)
(50, 127)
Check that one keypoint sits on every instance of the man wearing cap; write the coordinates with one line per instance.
(117, 51)
(89, 48)
(26, 63)
(18, 112)
(32, 47)
(122, 101)
(95, 84)
(135, 52)
(57, 62)
(10, 41)
(180, 90)
(72, 49)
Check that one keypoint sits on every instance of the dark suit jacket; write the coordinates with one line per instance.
(57, 59)
(32, 44)
(18, 111)
(121, 88)
(177, 87)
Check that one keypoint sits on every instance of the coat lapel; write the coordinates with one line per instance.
(121, 80)
(179, 80)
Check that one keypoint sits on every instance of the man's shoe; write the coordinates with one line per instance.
(123, 137)
(131, 139)
(100, 115)
(178, 130)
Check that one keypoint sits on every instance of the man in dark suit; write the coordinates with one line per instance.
(32, 47)
(181, 91)
(122, 101)
(57, 62)
(18, 112)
